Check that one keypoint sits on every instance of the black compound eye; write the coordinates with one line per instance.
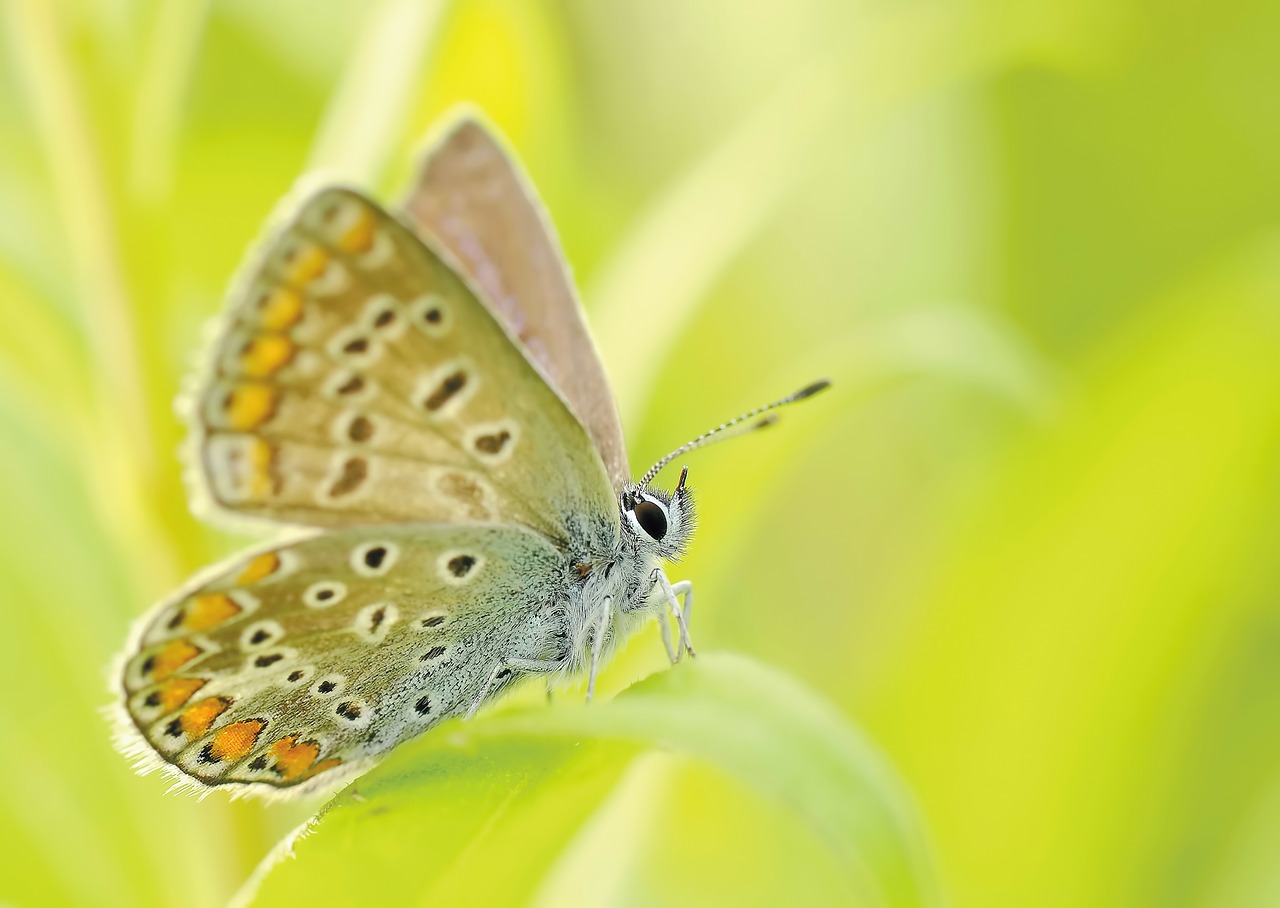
(652, 519)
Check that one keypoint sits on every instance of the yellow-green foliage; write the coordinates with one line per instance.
(1026, 546)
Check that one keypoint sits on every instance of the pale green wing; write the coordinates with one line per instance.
(360, 380)
(472, 198)
(313, 659)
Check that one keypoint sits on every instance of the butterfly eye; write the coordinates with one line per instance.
(652, 519)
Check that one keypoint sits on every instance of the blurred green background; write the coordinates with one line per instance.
(1028, 543)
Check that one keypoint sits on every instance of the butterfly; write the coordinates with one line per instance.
(423, 399)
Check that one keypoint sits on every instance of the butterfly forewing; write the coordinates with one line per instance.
(473, 199)
(317, 657)
(361, 380)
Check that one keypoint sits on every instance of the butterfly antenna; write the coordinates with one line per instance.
(740, 425)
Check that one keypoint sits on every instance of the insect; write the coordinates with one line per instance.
(426, 402)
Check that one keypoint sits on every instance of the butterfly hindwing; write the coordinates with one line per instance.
(315, 658)
(360, 380)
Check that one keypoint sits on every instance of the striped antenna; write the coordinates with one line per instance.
(747, 422)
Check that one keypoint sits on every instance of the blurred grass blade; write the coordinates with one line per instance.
(37, 42)
(173, 50)
(50, 824)
(1249, 873)
(436, 821)
(432, 823)
(694, 230)
(764, 728)
(632, 812)
(946, 341)
(690, 234)
(369, 110)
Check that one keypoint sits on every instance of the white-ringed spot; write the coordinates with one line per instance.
(373, 559)
(354, 713)
(431, 621)
(472, 496)
(351, 427)
(434, 654)
(325, 593)
(347, 477)
(457, 567)
(373, 622)
(274, 660)
(329, 686)
(494, 442)
(444, 390)
(348, 386)
(384, 317)
(423, 706)
(355, 347)
(432, 315)
(261, 634)
(300, 675)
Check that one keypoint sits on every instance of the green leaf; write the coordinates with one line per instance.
(482, 810)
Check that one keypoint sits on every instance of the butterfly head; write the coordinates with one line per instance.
(662, 523)
(659, 521)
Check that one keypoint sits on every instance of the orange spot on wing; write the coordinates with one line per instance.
(170, 659)
(261, 480)
(359, 236)
(249, 406)
(208, 610)
(279, 308)
(306, 264)
(264, 565)
(177, 691)
(196, 719)
(265, 355)
(293, 759)
(323, 766)
(237, 739)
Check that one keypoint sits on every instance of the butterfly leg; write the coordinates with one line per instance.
(506, 667)
(597, 642)
(665, 630)
(670, 593)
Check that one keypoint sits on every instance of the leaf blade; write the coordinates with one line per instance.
(518, 785)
